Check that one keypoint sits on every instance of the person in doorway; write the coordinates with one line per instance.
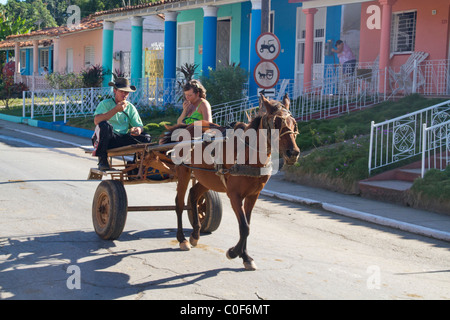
(117, 123)
(346, 57)
(195, 106)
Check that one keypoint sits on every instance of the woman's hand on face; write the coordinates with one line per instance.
(186, 105)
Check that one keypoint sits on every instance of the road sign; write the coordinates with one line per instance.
(266, 74)
(268, 46)
(266, 92)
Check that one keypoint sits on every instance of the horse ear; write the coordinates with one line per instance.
(263, 102)
(286, 101)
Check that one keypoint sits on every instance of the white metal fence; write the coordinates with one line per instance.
(337, 93)
(333, 95)
(69, 103)
(403, 137)
(436, 146)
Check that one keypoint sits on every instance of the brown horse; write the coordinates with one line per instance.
(241, 180)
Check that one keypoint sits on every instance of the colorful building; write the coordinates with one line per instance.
(64, 50)
(212, 33)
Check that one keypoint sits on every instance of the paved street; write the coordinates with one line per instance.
(49, 250)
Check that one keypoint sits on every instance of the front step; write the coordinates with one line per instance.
(408, 174)
(390, 186)
(385, 190)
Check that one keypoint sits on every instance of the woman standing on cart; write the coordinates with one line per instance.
(117, 123)
(195, 107)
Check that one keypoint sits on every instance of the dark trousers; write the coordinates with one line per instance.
(108, 139)
(349, 67)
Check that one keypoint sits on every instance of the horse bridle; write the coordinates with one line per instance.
(269, 120)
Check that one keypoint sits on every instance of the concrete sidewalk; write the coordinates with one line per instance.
(416, 221)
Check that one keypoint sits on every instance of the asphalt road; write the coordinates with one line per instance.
(49, 250)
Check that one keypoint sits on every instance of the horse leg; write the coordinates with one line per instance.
(183, 182)
(194, 194)
(244, 230)
(249, 203)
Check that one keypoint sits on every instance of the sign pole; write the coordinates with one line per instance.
(264, 16)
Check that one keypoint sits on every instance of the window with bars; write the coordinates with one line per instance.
(185, 43)
(403, 31)
(318, 46)
(43, 58)
(89, 56)
(23, 59)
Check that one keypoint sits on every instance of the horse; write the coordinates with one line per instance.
(241, 181)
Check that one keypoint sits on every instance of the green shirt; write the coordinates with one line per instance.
(195, 116)
(121, 121)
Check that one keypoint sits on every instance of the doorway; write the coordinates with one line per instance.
(223, 42)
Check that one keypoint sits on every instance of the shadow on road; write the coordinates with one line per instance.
(39, 267)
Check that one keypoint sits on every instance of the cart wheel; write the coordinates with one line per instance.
(109, 209)
(209, 211)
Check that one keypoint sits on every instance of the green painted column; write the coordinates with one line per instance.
(107, 50)
(136, 47)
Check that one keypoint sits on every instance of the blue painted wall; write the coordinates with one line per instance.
(333, 30)
(284, 28)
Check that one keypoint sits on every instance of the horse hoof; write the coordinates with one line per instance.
(185, 246)
(193, 241)
(250, 266)
(230, 254)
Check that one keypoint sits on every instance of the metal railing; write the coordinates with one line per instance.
(402, 137)
(436, 147)
(333, 95)
(69, 103)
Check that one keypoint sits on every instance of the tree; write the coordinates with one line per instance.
(34, 12)
(8, 89)
(13, 26)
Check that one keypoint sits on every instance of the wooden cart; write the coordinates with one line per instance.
(141, 163)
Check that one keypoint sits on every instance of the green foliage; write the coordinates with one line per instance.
(225, 84)
(8, 89)
(92, 76)
(346, 160)
(317, 133)
(33, 13)
(435, 184)
(64, 80)
(188, 71)
(10, 26)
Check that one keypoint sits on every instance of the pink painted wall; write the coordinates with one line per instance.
(78, 42)
(432, 31)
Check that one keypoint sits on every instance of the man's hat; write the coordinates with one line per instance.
(122, 84)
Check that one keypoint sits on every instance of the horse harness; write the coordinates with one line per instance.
(267, 122)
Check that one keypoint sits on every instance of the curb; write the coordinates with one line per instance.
(55, 126)
(404, 226)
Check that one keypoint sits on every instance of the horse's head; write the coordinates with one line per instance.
(279, 117)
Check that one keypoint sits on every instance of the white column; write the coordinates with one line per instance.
(56, 54)
(35, 58)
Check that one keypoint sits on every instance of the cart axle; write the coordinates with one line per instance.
(155, 208)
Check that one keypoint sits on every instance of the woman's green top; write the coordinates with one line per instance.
(195, 116)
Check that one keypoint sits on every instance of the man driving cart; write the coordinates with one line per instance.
(117, 123)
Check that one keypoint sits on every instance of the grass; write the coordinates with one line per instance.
(337, 149)
(317, 133)
(434, 185)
